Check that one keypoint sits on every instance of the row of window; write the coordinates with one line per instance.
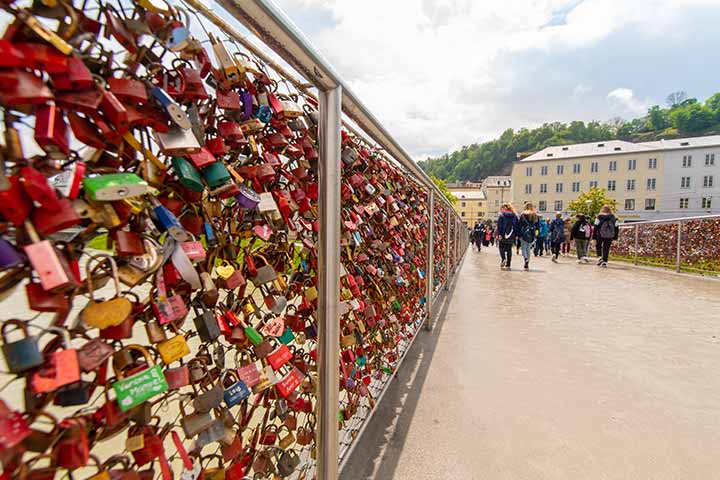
(464, 204)
(708, 181)
(613, 165)
(705, 203)
(611, 186)
(594, 167)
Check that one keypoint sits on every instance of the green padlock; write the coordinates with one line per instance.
(287, 336)
(216, 174)
(253, 335)
(188, 176)
(114, 186)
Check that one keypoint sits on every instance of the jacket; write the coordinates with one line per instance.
(577, 232)
(557, 230)
(507, 226)
(526, 221)
(606, 217)
(544, 230)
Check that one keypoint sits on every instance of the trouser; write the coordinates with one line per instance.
(565, 247)
(525, 247)
(556, 248)
(540, 246)
(605, 247)
(580, 247)
(478, 243)
(506, 252)
(598, 247)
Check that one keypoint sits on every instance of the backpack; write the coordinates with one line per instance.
(607, 229)
(527, 231)
(557, 232)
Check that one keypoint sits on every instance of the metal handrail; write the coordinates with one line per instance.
(667, 220)
(270, 24)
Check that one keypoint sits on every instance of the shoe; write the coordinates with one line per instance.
(585, 259)
(502, 264)
(579, 261)
(603, 264)
(554, 259)
(600, 261)
(527, 265)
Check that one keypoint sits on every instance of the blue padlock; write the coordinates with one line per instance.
(237, 391)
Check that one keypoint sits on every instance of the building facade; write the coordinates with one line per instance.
(652, 180)
(471, 204)
(498, 190)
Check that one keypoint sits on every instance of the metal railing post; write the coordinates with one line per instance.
(679, 242)
(430, 267)
(328, 285)
(637, 242)
(447, 250)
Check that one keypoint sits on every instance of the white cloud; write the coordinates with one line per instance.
(624, 100)
(441, 74)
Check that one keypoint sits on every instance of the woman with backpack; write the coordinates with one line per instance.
(507, 231)
(607, 231)
(543, 232)
(557, 235)
(529, 225)
(582, 233)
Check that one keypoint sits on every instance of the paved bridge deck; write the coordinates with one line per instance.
(563, 372)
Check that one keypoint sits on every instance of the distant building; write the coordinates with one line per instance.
(471, 204)
(498, 190)
(651, 180)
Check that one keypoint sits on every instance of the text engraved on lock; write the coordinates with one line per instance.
(140, 387)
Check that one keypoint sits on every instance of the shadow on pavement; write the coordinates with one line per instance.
(376, 456)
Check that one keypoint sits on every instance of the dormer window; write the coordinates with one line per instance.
(685, 144)
(549, 154)
(601, 144)
(617, 149)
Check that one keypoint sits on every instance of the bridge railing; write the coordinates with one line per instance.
(690, 244)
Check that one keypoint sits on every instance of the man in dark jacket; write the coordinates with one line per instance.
(581, 232)
(557, 235)
(507, 231)
(478, 234)
(606, 231)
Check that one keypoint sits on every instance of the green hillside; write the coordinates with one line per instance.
(684, 117)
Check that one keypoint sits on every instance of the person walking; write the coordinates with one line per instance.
(478, 235)
(565, 247)
(548, 240)
(607, 231)
(542, 235)
(581, 232)
(557, 235)
(488, 234)
(507, 231)
(529, 226)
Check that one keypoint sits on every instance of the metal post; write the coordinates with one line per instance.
(637, 242)
(679, 242)
(430, 266)
(447, 250)
(328, 285)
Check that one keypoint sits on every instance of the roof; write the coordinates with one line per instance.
(469, 194)
(617, 147)
(497, 181)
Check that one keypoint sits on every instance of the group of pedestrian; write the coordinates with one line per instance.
(481, 235)
(530, 234)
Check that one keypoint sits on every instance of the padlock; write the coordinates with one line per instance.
(205, 323)
(264, 274)
(23, 354)
(208, 397)
(72, 449)
(51, 131)
(114, 186)
(138, 387)
(93, 354)
(61, 369)
(188, 176)
(235, 390)
(216, 174)
(106, 313)
(173, 349)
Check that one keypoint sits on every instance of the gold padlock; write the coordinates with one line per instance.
(173, 349)
(108, 313)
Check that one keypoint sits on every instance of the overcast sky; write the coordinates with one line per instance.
(444, 73)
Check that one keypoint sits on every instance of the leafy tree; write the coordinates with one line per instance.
(675, 98)
(692, 118)
(658, 118)
(443, 188)
(589, 203)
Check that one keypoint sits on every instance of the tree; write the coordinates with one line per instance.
(658, 118)
(692, 118)
(676, 98)
(443, 188)
(589, 203)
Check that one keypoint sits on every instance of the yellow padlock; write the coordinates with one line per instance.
(108, 313)
(173, 349)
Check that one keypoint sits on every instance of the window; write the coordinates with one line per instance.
(558, 188)
(528, 172)
(594, 167)
(611, 185)
(684, 182)
(497, 202)
(560, 169)
(593, 183)
(707, 202)
(651, 183)
(649, 204)
(707, 181)
(576, 168)
(558, 205)
(687, 161)
(684, 203)
(576, 187)
(632, 164)
(629, 204)
(631, 185)
(543, 188)
(462, 204)
(479, 204)
(542, 205)
(528, 189)
(612, 165)
(709, 159)
(652, 163)
(462, 214)
(543, 170)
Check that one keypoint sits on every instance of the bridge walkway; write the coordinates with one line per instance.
(566, 371)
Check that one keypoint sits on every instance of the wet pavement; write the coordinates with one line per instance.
(564, 372)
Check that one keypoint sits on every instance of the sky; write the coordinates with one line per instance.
(440, 74)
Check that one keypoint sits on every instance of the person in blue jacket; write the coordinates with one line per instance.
(507, 231)
(542, 235)
(557, 235)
